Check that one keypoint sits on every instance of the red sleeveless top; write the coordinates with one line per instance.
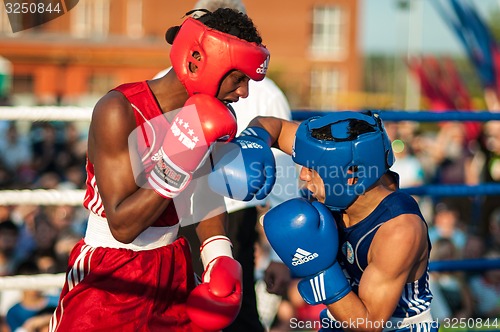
(145, 109)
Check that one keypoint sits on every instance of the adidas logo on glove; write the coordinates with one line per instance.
(249, 145)
(302, 256)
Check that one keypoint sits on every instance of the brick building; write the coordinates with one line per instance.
(77, 57)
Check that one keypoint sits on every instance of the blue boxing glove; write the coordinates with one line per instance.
(305, 237)
(245, 167)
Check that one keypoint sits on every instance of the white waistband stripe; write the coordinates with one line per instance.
(98, 234)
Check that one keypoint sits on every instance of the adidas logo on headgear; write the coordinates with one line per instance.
(302, 256)
(263, 67)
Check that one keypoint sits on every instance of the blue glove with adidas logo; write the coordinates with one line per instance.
(245, 167)
(305, 237)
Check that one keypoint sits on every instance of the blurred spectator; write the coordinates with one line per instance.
(409, 168)
(9, 233)
(408, 164)
(494, 230)
(485, 288)
(32, 302)
(7, 178)
(492, 146)
(5, 213)
(47, 180)
(51, 224)
(74, 178)
(47, 151)
(75, 146)
(15, 153)
(61, 217)
(24, 216)
(423, 146)
(45, 233)
(456, 299)
(62, 248)
(38, 323)
(490, 169)
(46, 262)
(475, 248)
(453, 157)
(447, 225)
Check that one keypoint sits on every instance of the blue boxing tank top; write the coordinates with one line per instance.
(356, 240)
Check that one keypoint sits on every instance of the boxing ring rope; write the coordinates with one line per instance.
(478, 264)
(45, 113)
(419, 116)
(75, 197)
(72, 197)
(41, 282)
(454, 190)
(73, 113)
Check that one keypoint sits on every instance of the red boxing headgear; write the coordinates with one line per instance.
(220, 53)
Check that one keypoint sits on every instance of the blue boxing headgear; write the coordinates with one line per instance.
(343, 154)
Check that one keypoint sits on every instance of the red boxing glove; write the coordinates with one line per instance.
(202, 121)
(215, 303)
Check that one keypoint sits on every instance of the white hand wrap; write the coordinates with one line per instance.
(212, 248)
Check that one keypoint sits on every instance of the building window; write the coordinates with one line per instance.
(325, 86)
(329, 32)
(134, 19)
(90, 19)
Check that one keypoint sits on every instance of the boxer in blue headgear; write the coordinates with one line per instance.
(362, 248)
(349, 150)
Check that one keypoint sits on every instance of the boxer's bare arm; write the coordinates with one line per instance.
(387, 272)
(282, 131)
(129, 208)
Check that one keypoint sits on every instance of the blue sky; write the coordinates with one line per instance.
(385, 28)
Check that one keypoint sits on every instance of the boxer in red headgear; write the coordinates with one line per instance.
(132, 272)
(201, 55)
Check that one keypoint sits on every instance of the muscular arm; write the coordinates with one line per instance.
(282, 131)
(212, 226)
(129, 208)
(210, 208)
(397, 255)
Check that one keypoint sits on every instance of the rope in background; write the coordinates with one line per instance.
(45, 113)
(73, 113)
(479, 264)
(42, 282)
(420, 116)
(42, 197)
(75, 197)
